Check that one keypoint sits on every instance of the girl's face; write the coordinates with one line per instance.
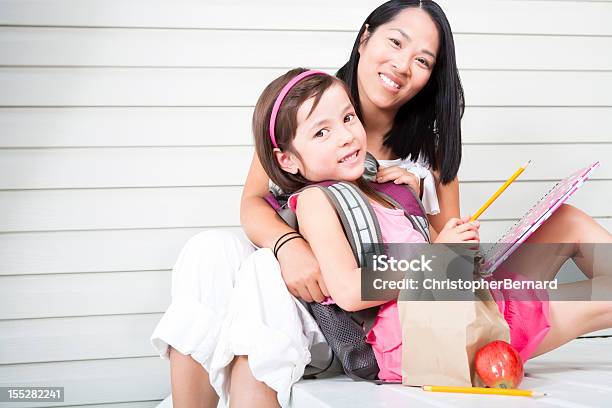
(396, 60)
(330, 140)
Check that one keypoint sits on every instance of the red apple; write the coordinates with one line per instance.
(499, 365)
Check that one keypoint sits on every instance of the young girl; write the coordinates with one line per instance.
(313, 134)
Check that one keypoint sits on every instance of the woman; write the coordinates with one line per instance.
(403, 76)
(401, 40)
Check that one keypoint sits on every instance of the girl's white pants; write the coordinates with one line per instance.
(229, 299)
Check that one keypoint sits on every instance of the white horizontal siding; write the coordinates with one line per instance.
(125, 129)
(120, 167)
(173, 207)
(44, 46)
(92, 251)
(223, 166)
(36, 296)
(77, 338)
(229, 126)
(241, 87)
(484, 16)
(57, 127)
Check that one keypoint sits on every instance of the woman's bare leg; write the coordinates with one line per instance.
(246, 390)
(568, 233)
(569, 320)
(190, 385)
(574, 234)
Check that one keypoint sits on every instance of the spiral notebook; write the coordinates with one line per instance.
(531, 221)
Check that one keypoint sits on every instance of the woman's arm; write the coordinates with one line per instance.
(259, 221)
(448, 199)
(320, 225)
(299, 267)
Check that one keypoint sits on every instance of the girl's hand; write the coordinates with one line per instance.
(399, 176)
(458, 230)
(300, 271)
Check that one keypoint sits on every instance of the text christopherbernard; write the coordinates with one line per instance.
(383, 263)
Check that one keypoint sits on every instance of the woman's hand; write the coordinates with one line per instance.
(458, 230)
(399, 176)
(300, 271)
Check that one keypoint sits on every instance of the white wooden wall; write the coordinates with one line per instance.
(124, 130)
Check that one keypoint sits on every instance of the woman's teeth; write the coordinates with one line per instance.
(350, 158)
(388, 81)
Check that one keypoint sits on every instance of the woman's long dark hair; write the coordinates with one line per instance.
(429, 124)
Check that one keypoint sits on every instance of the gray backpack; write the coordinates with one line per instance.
(345, 331)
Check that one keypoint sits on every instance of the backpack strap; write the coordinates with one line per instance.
(405, 198)
(360, 226)
(356, 216)
(402, 196)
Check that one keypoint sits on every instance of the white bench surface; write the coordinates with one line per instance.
(576, 375)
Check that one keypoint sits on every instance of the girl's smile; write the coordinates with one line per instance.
(350, 158)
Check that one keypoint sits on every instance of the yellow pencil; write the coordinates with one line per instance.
(480, 390)
(498, 192)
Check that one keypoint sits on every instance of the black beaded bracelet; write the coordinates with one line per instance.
(285, 241)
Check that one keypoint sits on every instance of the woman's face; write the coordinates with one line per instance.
(396, 60)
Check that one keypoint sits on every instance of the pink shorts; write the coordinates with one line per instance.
(527, 313)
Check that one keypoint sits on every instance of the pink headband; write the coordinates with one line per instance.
(281, 97)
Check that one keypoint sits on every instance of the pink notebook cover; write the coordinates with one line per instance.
(532, 220)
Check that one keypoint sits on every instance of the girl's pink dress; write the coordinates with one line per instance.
(528, 320)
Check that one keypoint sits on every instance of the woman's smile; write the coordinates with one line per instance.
(389, 83)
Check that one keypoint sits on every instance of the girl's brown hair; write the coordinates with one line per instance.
(286, 122)
(286, 126)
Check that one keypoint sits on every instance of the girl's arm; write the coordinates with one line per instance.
(448, 199)
(320, 225)
(299, 267)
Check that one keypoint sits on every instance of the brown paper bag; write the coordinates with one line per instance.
(440, 338)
